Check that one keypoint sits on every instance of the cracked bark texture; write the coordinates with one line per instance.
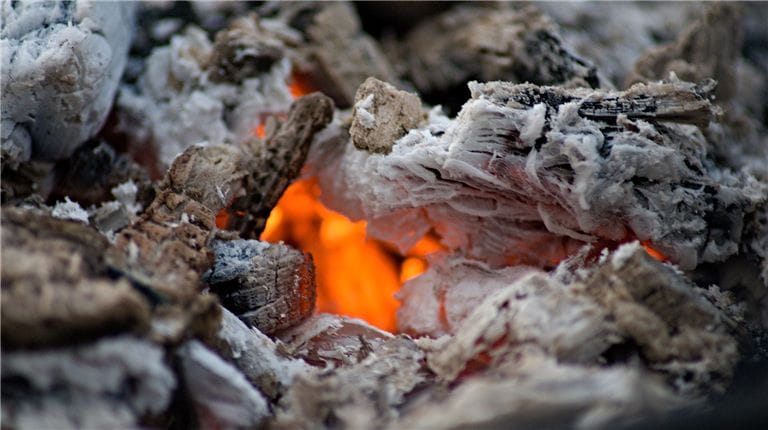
(269, 286)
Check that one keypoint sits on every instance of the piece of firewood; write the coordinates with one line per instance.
(269, 286)
(276, 162)
(489, 43)
(526, 174)
(169, 242)
(57, 287)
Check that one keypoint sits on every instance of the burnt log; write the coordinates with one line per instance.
(526, 174)
(269, 286)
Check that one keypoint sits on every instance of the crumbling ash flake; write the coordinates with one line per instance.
(366, 118)
(70, 210)
(85, 386)
(222, 393)
(177, 104)
(623, 254)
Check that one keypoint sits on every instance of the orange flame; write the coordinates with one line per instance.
(356, 276)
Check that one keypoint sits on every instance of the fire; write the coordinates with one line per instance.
(356, 276)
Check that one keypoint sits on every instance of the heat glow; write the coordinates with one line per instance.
(356, 276)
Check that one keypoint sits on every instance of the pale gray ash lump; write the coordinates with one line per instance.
(61, 65)
(111, 383)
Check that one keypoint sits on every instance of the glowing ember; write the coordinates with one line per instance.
(653, 252)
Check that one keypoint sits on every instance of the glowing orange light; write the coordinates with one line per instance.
(412, 267)
(299, 84)
(260, 130)
(222, 218)
(653, 252)
(356, 276)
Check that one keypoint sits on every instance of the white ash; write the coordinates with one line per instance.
(222, 395)
(361, 394)
(536, 391)
(111, 383)
(61, 65)
(333, 340)
(233, 258)
(111, 216)
(535, 310)
(257, 356)
(70, 210)
(452, 287)
(601, 169)
(176, 104)
(366, 118)
(125, 194)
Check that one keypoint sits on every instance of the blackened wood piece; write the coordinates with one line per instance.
(268, 286)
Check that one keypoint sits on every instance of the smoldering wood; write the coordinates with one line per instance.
(709, 47)
(523, 165)
(329, 341)
(170, 238)
(536, 391)
(57, 285)
(269, 286)
(242, 51)
(278, 159)
(491, 43)
(350, 394)
(221, 395)
(263, 361)
(682, 331)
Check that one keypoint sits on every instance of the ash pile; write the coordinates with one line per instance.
(596, 175)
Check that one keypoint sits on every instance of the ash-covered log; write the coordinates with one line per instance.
(62, 63)
(169, 242)
(57, 286)
(525, 173)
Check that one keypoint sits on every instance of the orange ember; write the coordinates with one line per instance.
(653, 252)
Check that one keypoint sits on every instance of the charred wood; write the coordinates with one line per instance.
(269, 286)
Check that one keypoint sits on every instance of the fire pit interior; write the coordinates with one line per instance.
(384, 215)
